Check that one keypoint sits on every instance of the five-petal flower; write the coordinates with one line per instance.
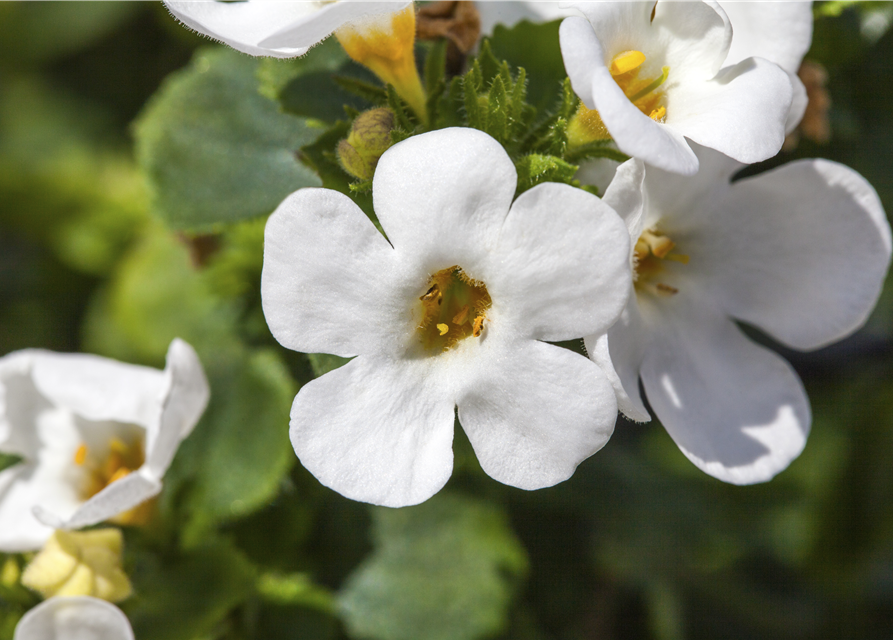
(654, 73)
(95, 436)
(452, 309)
(799, 252)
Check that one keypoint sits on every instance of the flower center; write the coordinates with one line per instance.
(453, 308)
(626, 69)
(122, 459)
(651, 252)
(642, 91)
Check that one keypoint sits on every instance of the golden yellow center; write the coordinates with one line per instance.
(122, 459)
(454, 307)
(651, 252)
(641, 88)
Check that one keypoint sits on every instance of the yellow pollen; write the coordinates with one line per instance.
(650, 253)
(626, 61)
(453, 308)
(80, 455)
(658, 114)
(478, 326)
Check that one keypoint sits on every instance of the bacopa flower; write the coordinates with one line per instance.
(651, 75)
(282, 29)
(74, 618)
(95, 437)
(451, 309)
(800, 252)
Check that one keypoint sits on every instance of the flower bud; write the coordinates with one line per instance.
(369, 138)
(86, 563)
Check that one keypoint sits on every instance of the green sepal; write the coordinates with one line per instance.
(536, 168)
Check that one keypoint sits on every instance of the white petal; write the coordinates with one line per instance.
(742, 112)
(49, 478)
(185, 401)
(801, 251)
(283, 29)
(120, 496)
(74, 618)
(377, 431)
(561, 269)
(781, 32)
(509, 12)
(100, 389)
(625, 195)
(20, 402)
(695, 36)
(658, 144)
(620, 353)
(799, 102)
(580, 50)
(442, 197)
(536, 413)
(735, 409)
(329, 18)
(327, 281)
(617, 26)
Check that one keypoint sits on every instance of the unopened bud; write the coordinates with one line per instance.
(86, 563)
(369, 138)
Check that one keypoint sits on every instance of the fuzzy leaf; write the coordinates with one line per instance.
(448, 550)
(214, 149)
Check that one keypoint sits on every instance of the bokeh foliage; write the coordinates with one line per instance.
(137, 165)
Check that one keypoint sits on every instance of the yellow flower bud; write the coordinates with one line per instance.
(86, 563)
(369, 138)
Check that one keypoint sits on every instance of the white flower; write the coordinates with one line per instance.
(511, 12)
(657, 82)
(95, 436)
(450, 310)
(75, 618)
(799, 252)
(779, 31)
(282, 29)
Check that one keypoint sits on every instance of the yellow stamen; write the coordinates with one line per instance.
(447, 308)
(386, 45)
(80, 455)
(650, 253)
(120, 473)
(658, 114)
(122, 458)
(626, 61)
(478, 326)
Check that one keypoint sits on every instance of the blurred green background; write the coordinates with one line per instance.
(638, 544)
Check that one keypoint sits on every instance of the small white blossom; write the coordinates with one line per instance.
(655, 75)
(450, 310)
(95, 436)
(74, 618)
(799, 252)
(281, 29)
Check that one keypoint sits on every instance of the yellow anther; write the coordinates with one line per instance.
(660, 245)
(462, 316)
(120, 473)
(80, 455)
(117, 446)
(478, 326)
(443, 328)
(626, 62)
(658, 114)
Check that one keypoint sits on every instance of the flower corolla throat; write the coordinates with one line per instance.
(453, 307)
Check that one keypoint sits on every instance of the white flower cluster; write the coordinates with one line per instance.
(452, 307)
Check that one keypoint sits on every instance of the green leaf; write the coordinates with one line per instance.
(234, 461)
(186, 596)
(8, 460)
(497, 110)
(536, 48)
(214, 149)
(443, 570)
(322, 363)
(536, 168)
